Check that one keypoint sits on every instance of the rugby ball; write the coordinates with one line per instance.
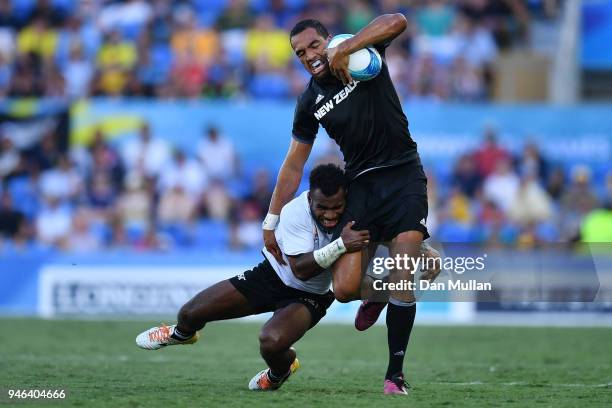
(364, 64)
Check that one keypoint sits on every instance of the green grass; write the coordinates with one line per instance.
(99, 365)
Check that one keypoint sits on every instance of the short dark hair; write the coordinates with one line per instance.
(309, 23)
(328, 178)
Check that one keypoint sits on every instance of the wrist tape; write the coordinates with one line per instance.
(327, 255)
(270, 222)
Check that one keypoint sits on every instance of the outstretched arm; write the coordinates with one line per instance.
(290, 175)
(288, 181)
(381, 30)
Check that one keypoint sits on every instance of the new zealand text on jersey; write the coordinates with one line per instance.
(339, 97)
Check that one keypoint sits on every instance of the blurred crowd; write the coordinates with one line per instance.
(141, 193)
(495, 197)
(240, 48)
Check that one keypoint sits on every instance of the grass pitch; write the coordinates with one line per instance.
(98, 364)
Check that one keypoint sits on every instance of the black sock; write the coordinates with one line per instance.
(180, 336)
(400, 319)
(276, 378)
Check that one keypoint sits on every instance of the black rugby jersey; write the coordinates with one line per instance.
(364, 118)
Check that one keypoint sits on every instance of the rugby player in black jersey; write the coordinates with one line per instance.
(388, 190)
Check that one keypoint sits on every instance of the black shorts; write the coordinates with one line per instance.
(266, 292)
(387, 202)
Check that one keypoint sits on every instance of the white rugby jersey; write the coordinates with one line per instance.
(297, 233)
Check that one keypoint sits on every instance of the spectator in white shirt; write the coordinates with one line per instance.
(53, 222)
(134, 205)
(81, 238)
(246, 233)
(502, 185)
(475, 43)
(186, 173)
(63, 181)
(176, 207)
(77, 74)
(532, 203)
(146, 153)
(217, 155)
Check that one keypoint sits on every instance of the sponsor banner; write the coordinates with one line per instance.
(122, 291)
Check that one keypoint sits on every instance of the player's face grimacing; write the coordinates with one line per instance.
(310, 46)
(327, 210)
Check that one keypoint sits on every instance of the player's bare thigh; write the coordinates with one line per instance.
(221, 301)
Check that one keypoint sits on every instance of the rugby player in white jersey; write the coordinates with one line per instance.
(304, 235)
